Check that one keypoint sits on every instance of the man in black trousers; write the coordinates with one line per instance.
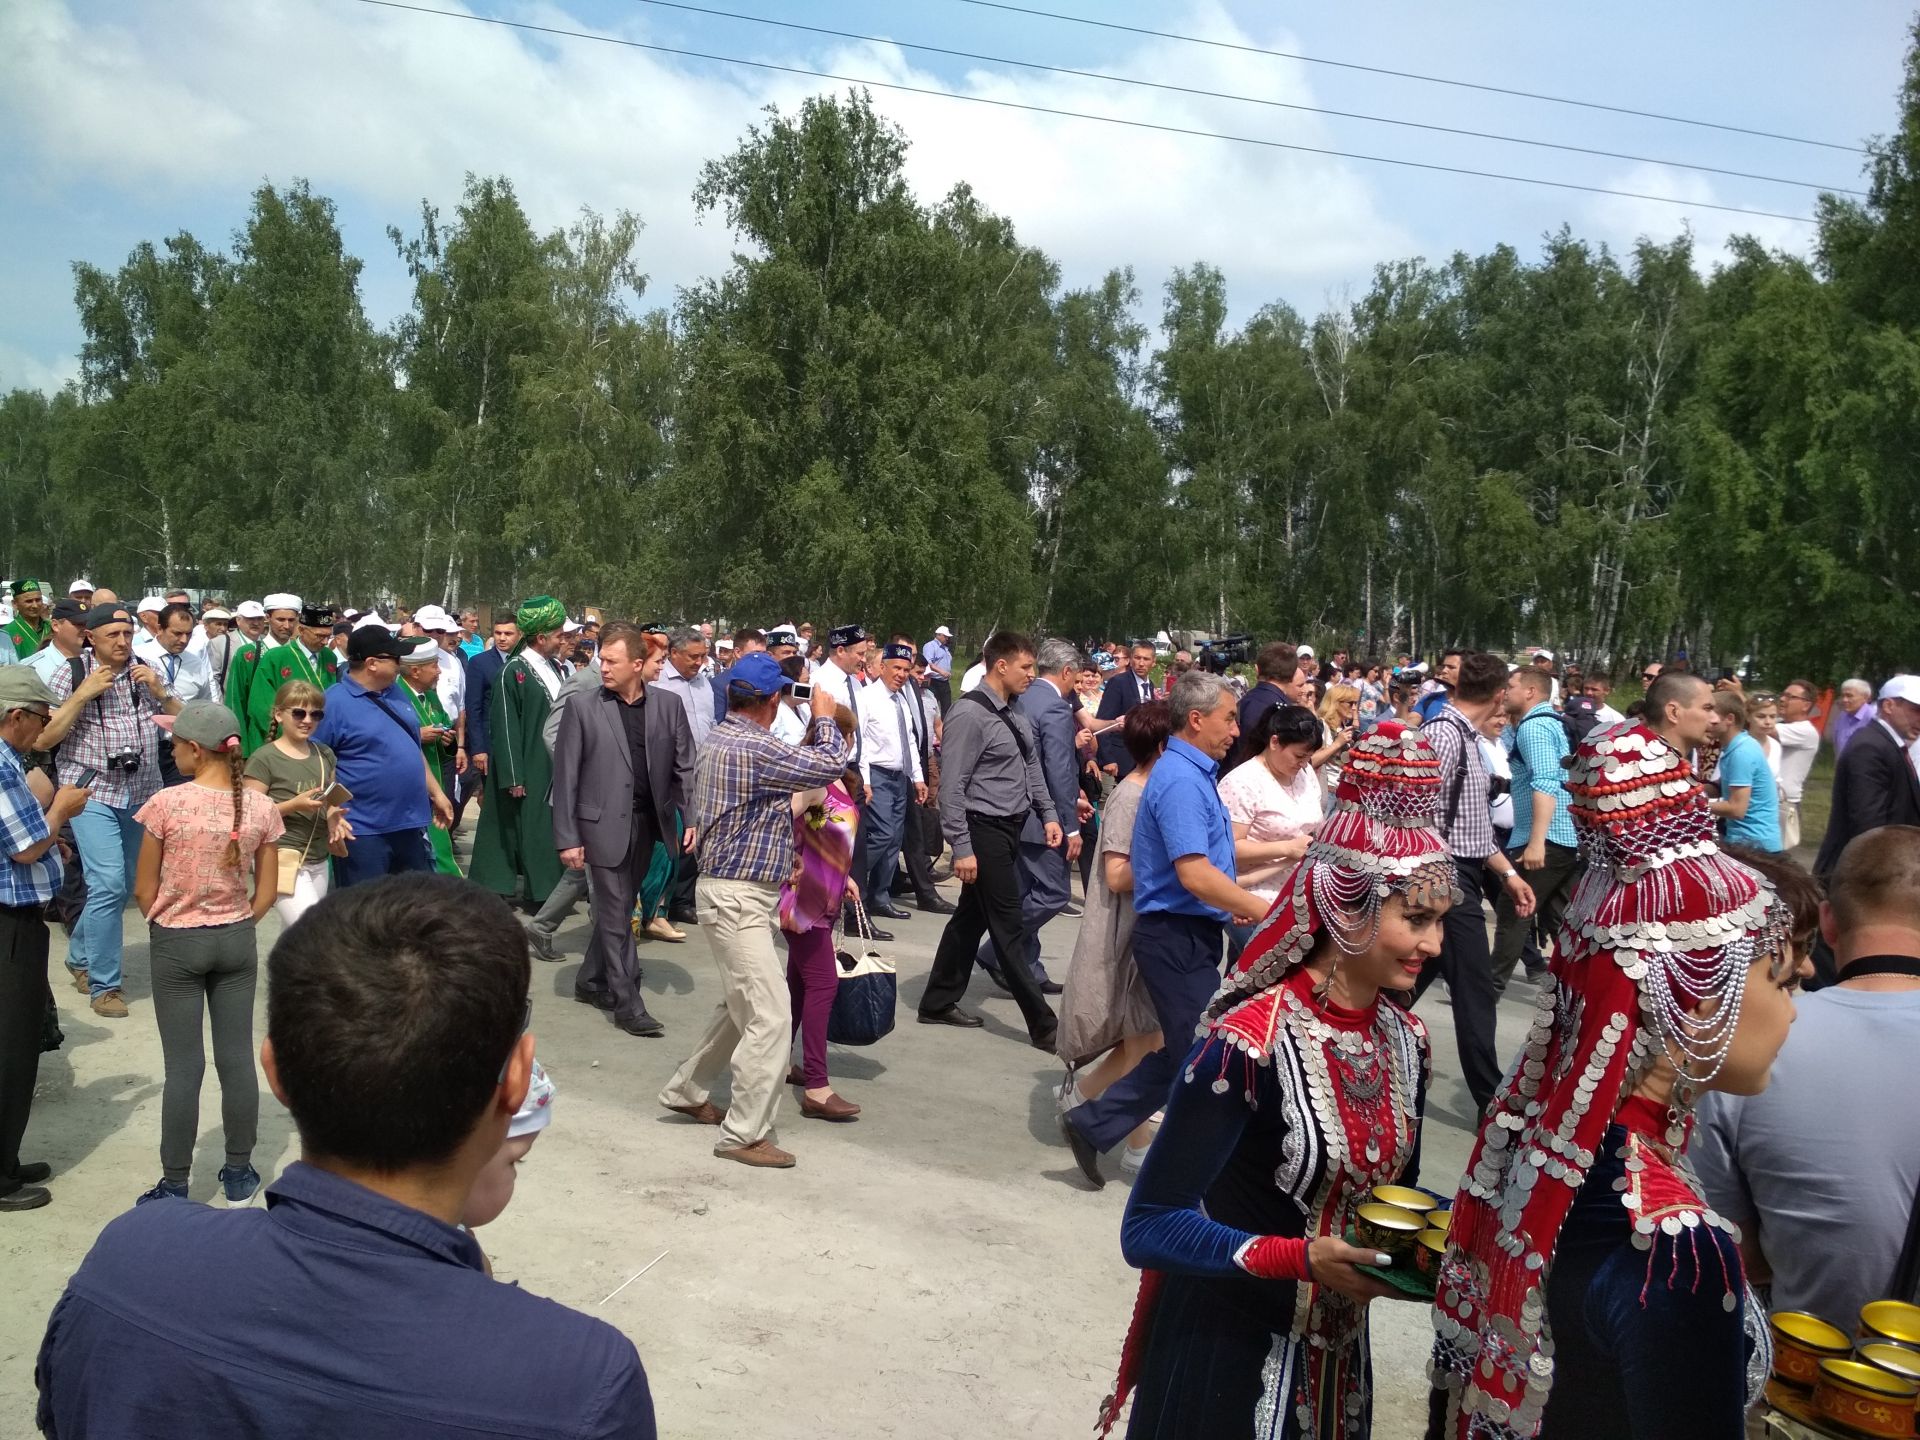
(1480, 870)
(990, 780)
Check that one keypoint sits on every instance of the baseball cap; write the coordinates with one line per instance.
(21, 686)
(1543, 655)
(369, 642)
(82, 586)
(1902, 687)
(725, 642)
(204, 722)
(151, 604)
(250, 610)
(1305, 652)
(69, 609)
(114, 613)
(758, 672)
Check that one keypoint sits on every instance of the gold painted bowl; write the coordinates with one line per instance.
(1890, 1320)
(1894, 1359)
(1404, 1197)
(1800, 1343)
(1429, 1248)
(1441, 1220)
(1866, 1400)
(1388, 1228)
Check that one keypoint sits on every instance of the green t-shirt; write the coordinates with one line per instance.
(285, 777)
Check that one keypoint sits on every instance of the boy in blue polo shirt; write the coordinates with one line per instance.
(1749, 803)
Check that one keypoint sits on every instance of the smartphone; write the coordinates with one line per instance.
(88, 778)
(336, 794)
(802, 691)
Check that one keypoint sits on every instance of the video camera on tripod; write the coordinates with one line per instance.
(1216, 655)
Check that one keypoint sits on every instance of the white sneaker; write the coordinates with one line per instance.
(1131, 1159)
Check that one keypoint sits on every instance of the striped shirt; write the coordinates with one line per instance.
(22, 826)
(742, 788)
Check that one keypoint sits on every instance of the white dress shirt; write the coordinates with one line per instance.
(188, 675)
(880, 712)
(452, 685)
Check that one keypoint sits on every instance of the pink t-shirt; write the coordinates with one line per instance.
(195, 822)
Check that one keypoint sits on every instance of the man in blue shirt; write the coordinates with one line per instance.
(1542, 845)
(354, 1304)
(1749, 803)
(375, 739)
(1183, 897)
(938, 653)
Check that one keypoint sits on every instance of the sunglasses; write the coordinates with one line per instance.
(1649, 677)
(300, 712)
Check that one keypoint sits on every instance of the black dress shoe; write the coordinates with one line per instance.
(874, 932)
(24, 1197)
(599, 999)
(35, 1174)
(1045, 1042)
(934, 905)
(641, 1024)
(1084, 1155)
(890, 911)
(1073, 912)
(1052, 987)
(952, 1015)
(683, 915)
(999, 981)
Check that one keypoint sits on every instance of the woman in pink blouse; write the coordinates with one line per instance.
(824, 823)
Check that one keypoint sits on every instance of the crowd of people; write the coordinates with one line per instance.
(1275, 869)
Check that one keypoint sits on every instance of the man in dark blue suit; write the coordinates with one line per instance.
(1045, 870)
(482, 671)
(1124, 691)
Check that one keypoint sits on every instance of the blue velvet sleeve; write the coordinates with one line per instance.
(1680, 1354)
(1165, 1228)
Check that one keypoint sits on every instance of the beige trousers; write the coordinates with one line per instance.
(752, 1027)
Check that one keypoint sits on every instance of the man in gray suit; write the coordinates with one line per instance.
(1045, 871)
(621, 772)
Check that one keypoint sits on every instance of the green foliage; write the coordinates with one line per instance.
(887, 408)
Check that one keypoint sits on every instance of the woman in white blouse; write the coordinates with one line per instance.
(1274, 802)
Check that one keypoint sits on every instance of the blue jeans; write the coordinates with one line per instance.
(109, 842)
(884, 821)
(1179, 960)
(369, 857)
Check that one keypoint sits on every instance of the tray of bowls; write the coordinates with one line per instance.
(1835, 1386)
(1411, 1226)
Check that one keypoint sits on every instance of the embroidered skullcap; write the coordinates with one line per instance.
(539, 615)
(1378, 840)
(845, 635)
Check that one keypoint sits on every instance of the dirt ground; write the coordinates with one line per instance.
(936, 1268)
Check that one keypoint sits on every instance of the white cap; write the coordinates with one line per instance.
(1305, 652)
(82, 586)
(1902, 687)
(1538, 654)
(536, 1111)
(570, 627)
(438, 623)
(150, 605)
(282, 601)
(216, 613)
(250, 610)
(372, 617)
(942, 630)
(725, 642)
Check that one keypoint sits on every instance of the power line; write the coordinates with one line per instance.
(1082, 114)
(1412, 75)
(1243, 99)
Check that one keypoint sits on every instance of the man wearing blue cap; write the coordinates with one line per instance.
(743, 788)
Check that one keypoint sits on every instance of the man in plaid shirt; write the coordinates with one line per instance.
(1465, 822)
(743, 787)
(113, 748)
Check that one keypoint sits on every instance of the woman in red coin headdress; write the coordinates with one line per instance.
(1302, 1093)
(1589, 1291)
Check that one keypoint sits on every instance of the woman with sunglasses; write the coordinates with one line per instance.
(1339, 722)
(293, 772)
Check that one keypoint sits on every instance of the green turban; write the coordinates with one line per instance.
(539, 615)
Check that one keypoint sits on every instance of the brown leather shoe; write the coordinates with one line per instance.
(831, 1108)
(762, 1155)
(80, 981)
(795, 1076)
(109, 1006)
(705, 1113)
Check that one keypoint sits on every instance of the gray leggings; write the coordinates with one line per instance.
(208, 970)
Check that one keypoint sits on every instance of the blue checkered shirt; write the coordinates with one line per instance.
(743, 785)
(22, 826)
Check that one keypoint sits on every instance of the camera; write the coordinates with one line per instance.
(124, 761)
(802, 691)
(1216, 655)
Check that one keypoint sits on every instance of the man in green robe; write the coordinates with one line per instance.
(419, 677)
(307, 656)
(30, 629)
(513, 846)
(283, 619)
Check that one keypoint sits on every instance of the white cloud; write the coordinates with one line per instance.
(22, 371)
(383, 107)
(1621, 222)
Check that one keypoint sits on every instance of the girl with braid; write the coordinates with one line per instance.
(203, 838)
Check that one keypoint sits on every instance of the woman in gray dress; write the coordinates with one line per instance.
(1105, 1013)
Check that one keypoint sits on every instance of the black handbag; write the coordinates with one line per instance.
(868, 996)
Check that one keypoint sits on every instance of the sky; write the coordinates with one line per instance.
(131, 120)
